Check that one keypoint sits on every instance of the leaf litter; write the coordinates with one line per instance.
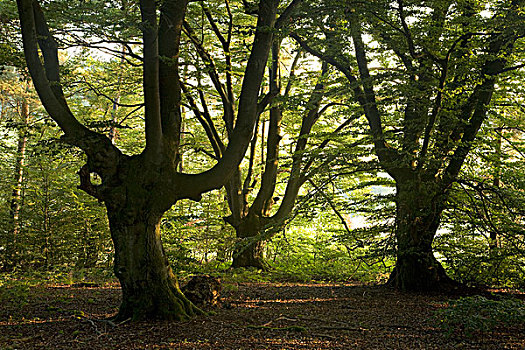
(250, 316)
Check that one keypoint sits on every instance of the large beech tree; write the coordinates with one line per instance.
(254, 222)
(252, 219)
(251, 195)
(257, 212)
(138, 189)
(424, 74)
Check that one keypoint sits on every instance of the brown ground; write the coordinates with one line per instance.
(252, 316)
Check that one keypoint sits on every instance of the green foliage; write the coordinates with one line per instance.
(15, 292)
(56, 224)
(10, 48)
(313, 248)
(195, 234)
(57, 275)
(483, 240)
(470, 316)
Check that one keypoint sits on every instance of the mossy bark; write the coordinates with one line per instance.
(249, 252)
(150, 290)
(135, 205)
(250, 255)
(418, 215)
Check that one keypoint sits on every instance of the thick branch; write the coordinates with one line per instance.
(262, 202)
(478, 116)
(291, 76)
(248, 184)
(172, 16)
(384, 152)
(406, 30)
(433, 116)
(150, 75)
(369, 99)
(342, 67)
(54, 105)
(287, 13)
(103, 156)
(294, 181)
(49, 49)
(483, 95)
(194, 185)
(205, 120)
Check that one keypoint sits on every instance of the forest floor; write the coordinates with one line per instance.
(251, 316)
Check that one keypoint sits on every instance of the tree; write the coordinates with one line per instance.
(425, 102)
(15, 99)
(254, 222)
(251, 195)
(138, 189)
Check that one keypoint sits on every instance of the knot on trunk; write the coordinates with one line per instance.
(85, 182)
(203, 290)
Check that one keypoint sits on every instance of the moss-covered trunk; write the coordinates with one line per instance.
(249, 250)
(149, 287)
(418, 215)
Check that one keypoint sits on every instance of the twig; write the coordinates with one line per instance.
(341, 328)
(289, 328)
(125, 321)
(94, 325)
(280, 318)
(322, 335)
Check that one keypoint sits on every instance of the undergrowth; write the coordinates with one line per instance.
(469, 316)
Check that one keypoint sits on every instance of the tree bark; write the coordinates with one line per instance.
(493, 243)
(149, 287)
(419, 206)
(16, 195)
(249, 250)
(150, 290)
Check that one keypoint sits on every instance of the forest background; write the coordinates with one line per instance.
(311, 138)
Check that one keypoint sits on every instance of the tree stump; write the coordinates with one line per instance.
(203, 290)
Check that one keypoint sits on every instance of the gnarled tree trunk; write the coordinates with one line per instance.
(252, 225)
(426, 152)
(149, 287)
(418, 215)
(249, 250)
(135, 205)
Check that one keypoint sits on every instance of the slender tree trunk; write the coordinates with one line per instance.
(90, 246)
(418, 216)
(149, 287)
(249, 251)
(46, 231)
(16, 195)
(493, 244)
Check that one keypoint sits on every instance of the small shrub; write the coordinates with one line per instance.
(470, 315)
(14, 292)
